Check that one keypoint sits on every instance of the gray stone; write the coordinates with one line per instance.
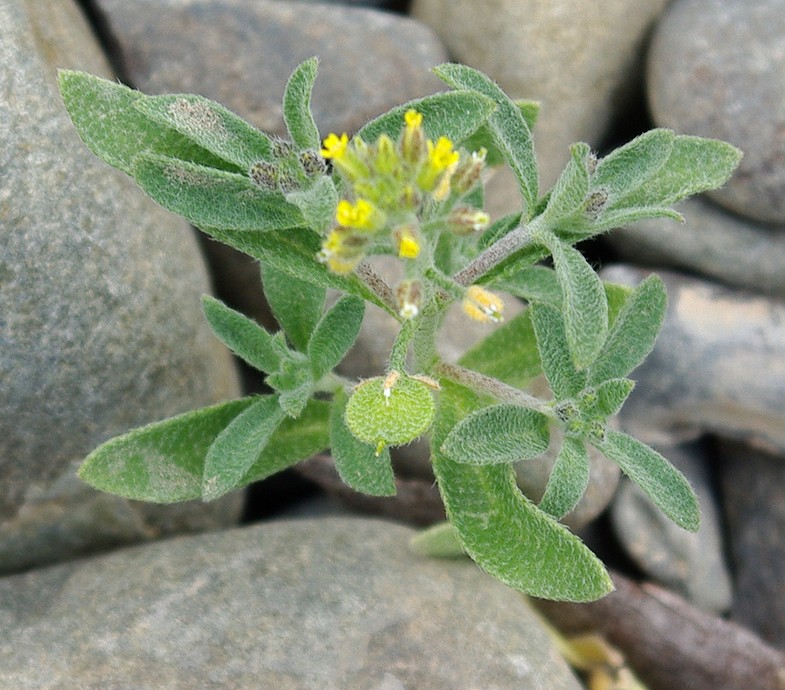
(717, 366)
(582, 60)
(241, 54)
(691, 563)
(717, 69)
(728, 248)
(753, 492)
(304, 604)
(100, 322)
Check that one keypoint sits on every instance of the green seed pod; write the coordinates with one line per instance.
(390, 411)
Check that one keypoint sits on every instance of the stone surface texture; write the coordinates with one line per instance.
(717, 69)
(100, 322)
(322, 604)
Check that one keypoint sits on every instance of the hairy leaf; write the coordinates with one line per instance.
(611, 395)
(317, 203)
(357, 462)
(569, 193)
(660, 481)
(498, 434)
(161, 462)
(569, 479)
(536, 284)
(632, 336)
(565, 380)
(238, 446)
(437, 541)
(335, 334)
(510, 132)
(506, 534)
(209, 125)
(297, 105)
(483, 138)
(297, 305)
(454, 114)
(243, 336)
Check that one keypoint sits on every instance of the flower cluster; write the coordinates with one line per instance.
(402, 194)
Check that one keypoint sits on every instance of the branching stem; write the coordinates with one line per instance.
(505, 246)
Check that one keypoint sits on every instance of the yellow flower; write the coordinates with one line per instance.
(334, 146)
(482, 305)
(441, 154)
(413, 119)
(342, 251)
(441, 162)
(408, 243)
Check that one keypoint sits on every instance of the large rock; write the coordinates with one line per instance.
(241, 55)
(101, 324)
(580, 59)
(717, 366)
(320, 604)
(726, 247)
(717, 69)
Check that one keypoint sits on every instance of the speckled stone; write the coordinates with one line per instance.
(306, 604)
(723, 246)
(717, 69)
(100, 322)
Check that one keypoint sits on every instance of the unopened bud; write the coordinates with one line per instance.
(595, 203)
(408, 241)
(468, 172)
(413, 144)
(465, 220)
(409, 294)
(312, 163)
(265, 175)
(482, 305)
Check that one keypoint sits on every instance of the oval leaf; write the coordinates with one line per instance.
(297, 105)
(569, 479)
(565, 380)
(335, 334)
(498, 434)
(161, 462)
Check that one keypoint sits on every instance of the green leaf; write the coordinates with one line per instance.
(296, 304)
(503, 531)
(385, 412)
(585, 307)
(630, 166)
(569, 479)
(357, 462)
(694, 165)
(212, 198)
(452, 114)
(113, 129)
(660, 480)
(293, 440)
(209, 125)
(294, 252)
(161, 462)
(483, 138)
(317, 203)
(238, 446)
(611, 395)
(498, 229)
(509, 353)
(297, 105)
(335, 334)
(507, 125)
(246, 338)
(565, 380)
(622, 217)
(632, 336)
(437, 541)
(498, 434)
(536, 284)
(294, 382)
(569, 193)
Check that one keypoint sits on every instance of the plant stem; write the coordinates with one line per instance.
(513, 241)
(480, 383)
(400, 348)
(378, 285)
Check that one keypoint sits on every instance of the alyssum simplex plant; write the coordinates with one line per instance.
(314, 211)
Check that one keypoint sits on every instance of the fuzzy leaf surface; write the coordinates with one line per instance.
(243, 336)
(335, 334)
(108, 122)
(570, 190)
(161, 462)
(437, 541)
(504, 532)
(317, 203)
(357, 462)
(660, 481)
(296, 304)
(209, 125)
(498, 434)
(634, 331)
(297, 105)
(536, 284)
(569, 479)
(453, 114)
(239, 445)
(212, 198)
(510, 132)
(483, 138)
(565, 380)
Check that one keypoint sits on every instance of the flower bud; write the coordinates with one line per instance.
(482, 305)
(413, 144)
(408, 241)
(409, 294)
(465, 220)
(468, 172)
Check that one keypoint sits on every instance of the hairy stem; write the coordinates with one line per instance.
(378, 285)
(505, 246)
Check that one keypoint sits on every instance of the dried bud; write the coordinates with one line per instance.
(482, 305)
(265, 175)
(409, 294)
(312, 163)
(465, 220)
(468, 172)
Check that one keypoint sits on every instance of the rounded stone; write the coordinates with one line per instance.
(716, 68)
